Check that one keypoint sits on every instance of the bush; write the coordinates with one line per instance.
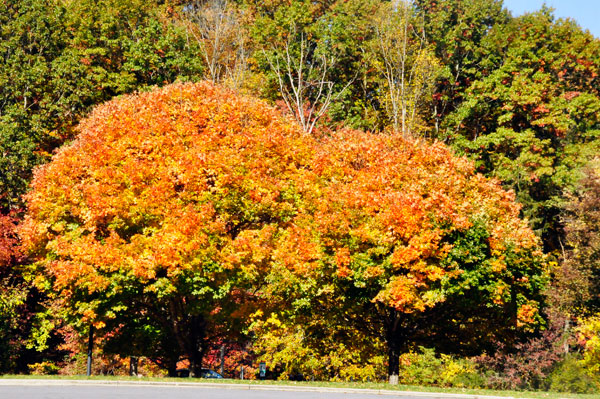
(426, 368)
(570, 376)
(461, 373)
(421, 368)
(526, 365)
(43, 368)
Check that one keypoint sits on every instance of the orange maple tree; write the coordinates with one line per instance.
(402, 230)
(159, 218)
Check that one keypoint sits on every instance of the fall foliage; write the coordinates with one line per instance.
(8, 240)
(187, 203)
(164, 211)
(391, 238)
(174, 221)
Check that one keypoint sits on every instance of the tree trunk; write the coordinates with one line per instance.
(196, 346)
(394, 338)
(89, 351)
(196, 363)
(393, 362)
(172, 368)
(133, 365)
(189, 330)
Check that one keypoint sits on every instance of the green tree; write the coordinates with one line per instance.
(531, 119)
(456, 29)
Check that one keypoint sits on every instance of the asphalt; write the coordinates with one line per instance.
(46, 388)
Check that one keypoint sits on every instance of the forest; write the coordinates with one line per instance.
(345, 190)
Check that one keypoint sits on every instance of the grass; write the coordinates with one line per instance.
(353, 385)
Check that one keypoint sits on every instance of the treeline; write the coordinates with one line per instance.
(517, 95)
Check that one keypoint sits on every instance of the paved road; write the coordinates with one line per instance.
(64, 389)
(145, 392)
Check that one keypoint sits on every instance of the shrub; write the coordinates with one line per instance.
(421, 368)
(424, 367)
(588, 334)
(570, 376)
(43, 368)
(526, 365)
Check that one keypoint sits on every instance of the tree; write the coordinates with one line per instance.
(409, 69)
(303, 81)
(345, 30)
(297, 49)
(577, 283)
(158, 220)
(456, 30)
(402, 233)
(218, 27)
(531, 119)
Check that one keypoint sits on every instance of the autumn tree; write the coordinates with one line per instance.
(402, 232)
(577, 284)
(158, 221)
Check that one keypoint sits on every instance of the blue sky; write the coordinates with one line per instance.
(585, 12)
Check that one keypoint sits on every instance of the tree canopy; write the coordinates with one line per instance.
(180, 202)
(167, 204)
(403, 231)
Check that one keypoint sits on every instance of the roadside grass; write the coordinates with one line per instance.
(317, 384)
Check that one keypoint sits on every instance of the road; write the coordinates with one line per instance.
(61, 389)
(145, 392)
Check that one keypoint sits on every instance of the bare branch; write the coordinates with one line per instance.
(304, 86)
(216, 26)
(406, 66)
